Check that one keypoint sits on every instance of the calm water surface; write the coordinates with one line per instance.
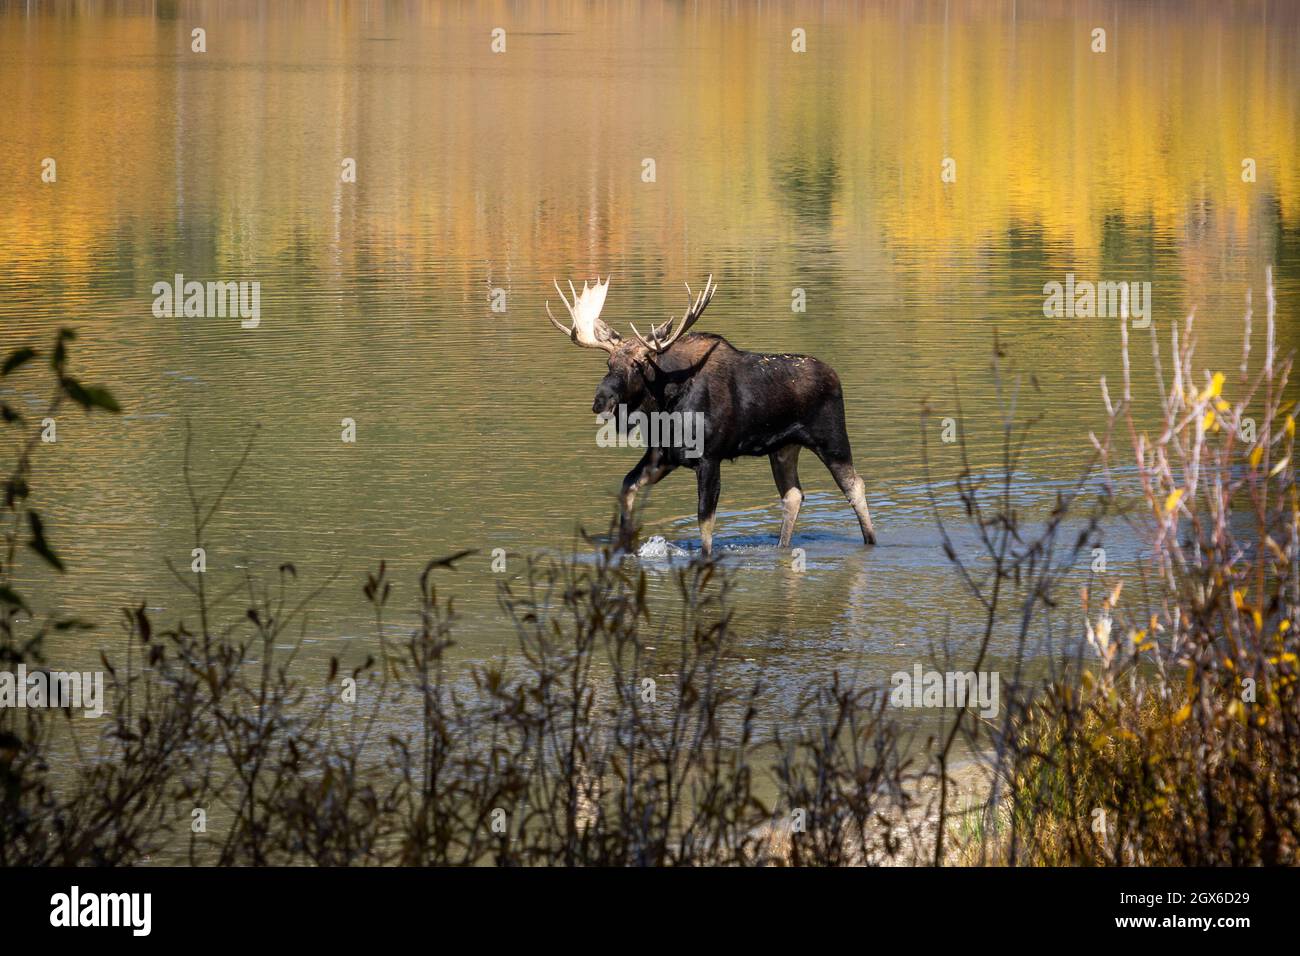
(774, 171)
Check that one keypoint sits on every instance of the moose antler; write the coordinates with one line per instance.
(657, 341)
(587, 329)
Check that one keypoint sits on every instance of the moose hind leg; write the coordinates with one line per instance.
(785, 470)
(829, 438)
(709, 476)
(855, 490)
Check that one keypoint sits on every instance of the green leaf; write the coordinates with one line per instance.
(38, 542)
(17, 358)
(142, 622)
(73, 623)
(16, 489)
(10, 596)
(90, 396)
(60, 356)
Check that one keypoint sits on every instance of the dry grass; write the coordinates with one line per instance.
(1169, 735)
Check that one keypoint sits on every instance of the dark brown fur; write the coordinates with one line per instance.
(752, 403)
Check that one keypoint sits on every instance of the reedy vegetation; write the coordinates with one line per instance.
(1171, 717)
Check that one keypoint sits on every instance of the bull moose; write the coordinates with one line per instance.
(751, 403)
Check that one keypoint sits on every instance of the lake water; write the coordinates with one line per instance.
(774, 171)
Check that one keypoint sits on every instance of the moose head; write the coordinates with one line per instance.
(632, 362)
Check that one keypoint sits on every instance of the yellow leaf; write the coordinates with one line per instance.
(1277, 469)
(1208, 421)
(1183, 713)
(1290, 426)
(1171, 502)
(1213, 389)
(1257, 455)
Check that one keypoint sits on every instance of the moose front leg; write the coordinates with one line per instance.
(650, 469)
(785, 469)
(709, 476)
